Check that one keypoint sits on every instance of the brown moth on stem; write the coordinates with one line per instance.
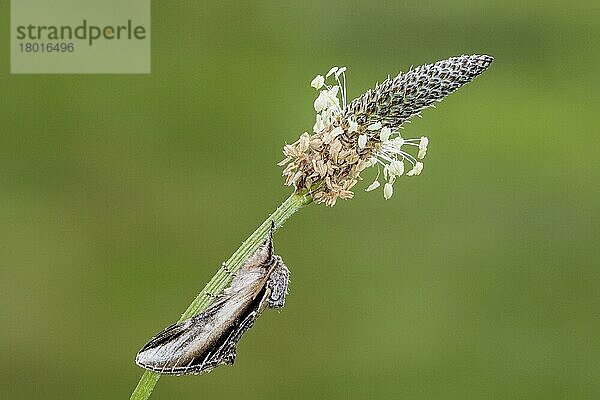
(209, 339)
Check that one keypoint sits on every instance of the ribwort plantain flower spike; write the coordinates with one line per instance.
(347, 138)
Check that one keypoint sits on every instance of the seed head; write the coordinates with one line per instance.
(348, 138)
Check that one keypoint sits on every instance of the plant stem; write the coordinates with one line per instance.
(221, 279)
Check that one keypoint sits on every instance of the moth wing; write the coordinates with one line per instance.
(177, 329)
(224, 353)
(154, 354)
(170, 333)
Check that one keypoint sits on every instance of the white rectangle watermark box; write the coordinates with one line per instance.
(80, 36)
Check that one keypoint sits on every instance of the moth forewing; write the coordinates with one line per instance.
(210, 338)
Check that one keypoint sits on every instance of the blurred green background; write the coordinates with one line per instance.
(122, 194)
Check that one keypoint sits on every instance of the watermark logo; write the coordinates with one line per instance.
(74, 36)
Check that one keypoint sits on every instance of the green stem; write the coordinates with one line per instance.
(221, 279)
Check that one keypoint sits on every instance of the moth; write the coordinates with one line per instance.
(209, 339)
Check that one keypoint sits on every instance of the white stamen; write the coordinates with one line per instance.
(416, 170)
(331, 71)
(329, 136)
(374, 127)
(423, 147)
(319, 125)
(396, 168)
(362, 141)
(373, 186)
(388, 191)
(334, 92)
(318, 82)
(385, 134)
(321, 101)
